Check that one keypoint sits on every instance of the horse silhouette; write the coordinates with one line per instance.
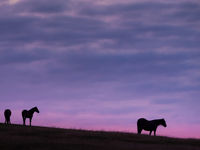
(29, 114)
(7, 114)
(143, 124)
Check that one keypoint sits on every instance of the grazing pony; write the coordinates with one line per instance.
(151, 125)
(29, 114)
(7, 114)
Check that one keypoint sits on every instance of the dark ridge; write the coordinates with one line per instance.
(46, 138)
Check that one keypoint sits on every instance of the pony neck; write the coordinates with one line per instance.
(33, 109)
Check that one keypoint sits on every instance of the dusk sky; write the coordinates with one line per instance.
(102, 64)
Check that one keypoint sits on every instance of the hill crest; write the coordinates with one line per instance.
(28, 138)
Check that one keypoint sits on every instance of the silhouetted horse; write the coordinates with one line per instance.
(29, 114)
(7, 114)
(149, 125)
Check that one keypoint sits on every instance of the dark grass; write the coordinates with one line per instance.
(44, 138)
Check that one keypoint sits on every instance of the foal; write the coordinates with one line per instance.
(29, 114)
(7, 114)
(151, 125)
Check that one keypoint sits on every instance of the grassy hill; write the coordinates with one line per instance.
(43, 138)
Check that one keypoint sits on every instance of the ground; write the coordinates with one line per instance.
(45, 138)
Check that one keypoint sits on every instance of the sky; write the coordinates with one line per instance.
(103, 64)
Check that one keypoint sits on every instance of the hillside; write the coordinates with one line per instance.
(43, 138)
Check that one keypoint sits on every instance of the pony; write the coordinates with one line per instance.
(29, 114)
(143, 124)
(7, 114)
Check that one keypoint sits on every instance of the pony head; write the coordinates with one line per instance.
(36, 110)
(163, 122)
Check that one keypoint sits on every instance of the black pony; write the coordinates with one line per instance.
(29, 114)
(7, 114)
(152, 125)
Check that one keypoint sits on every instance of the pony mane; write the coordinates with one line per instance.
(34, 109)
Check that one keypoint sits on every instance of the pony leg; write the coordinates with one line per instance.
(139, 130)
(24, 121)
(30, 121)
(154, 132)
(150, 132)
(8, 121)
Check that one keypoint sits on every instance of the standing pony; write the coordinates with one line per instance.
(29, 114)
(7, 114)
(143, 124)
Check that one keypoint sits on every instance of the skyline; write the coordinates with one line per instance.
(102, 64)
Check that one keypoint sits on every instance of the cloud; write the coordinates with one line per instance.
(12, 2)
(42, 7)
(125, 30)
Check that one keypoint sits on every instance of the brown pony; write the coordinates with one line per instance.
(7, 114)
(143, 124)
(29, 114)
